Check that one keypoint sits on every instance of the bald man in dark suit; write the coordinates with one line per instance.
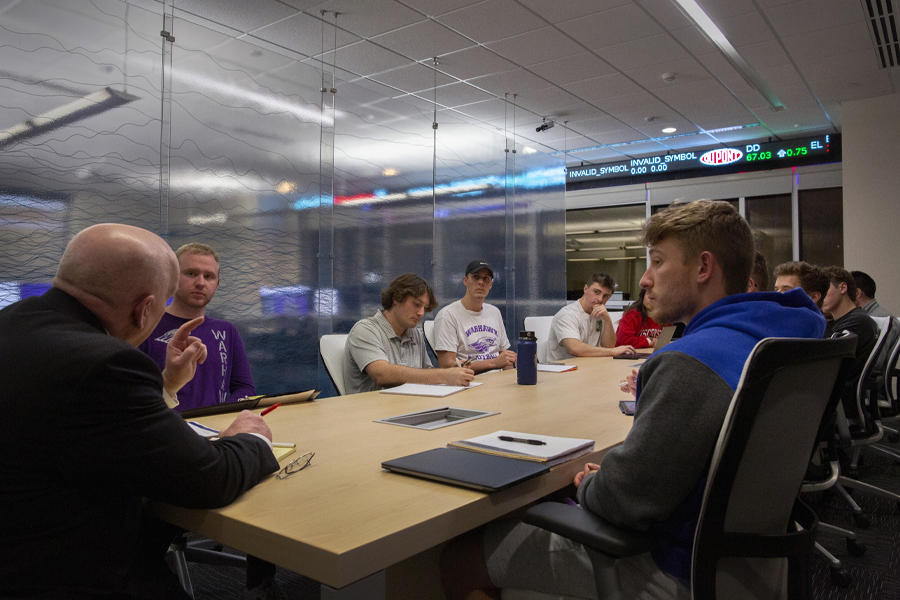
(87, 432)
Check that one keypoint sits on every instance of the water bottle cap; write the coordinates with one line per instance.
(527, 335)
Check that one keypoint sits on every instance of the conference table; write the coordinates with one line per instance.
(344, 518)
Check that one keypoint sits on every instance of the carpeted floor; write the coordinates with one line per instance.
(876, 574)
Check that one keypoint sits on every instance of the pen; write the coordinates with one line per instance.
(283, 445)
(623, 385)
(464, 364)
(270, 409)
(507, 438)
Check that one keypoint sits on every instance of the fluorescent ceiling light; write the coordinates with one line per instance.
(715, 35)
(92, 104)
(669, 130)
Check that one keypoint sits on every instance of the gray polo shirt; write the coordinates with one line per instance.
(374, 339)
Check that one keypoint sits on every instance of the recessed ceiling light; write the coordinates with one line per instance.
(669, 130)
(528, 150)
(389, 172)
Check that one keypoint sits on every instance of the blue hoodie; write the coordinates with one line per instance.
(655, 479)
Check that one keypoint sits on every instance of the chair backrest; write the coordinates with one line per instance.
(865, 377)
(332, 349)
(428, 326)
(891, 373)
(760, 459)
(541, 328)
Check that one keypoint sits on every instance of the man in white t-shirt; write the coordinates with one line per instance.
(584, 328)
(471, 332)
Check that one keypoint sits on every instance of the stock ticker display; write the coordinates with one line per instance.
(761, 156)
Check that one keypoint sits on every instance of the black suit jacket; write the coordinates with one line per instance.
(86, 438)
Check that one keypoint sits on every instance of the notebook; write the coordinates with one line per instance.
(546, 449)
(250, 403)
(482, 472)
(426, 389)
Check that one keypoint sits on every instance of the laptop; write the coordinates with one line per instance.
(668, 333)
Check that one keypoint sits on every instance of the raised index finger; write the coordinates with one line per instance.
(185, 330)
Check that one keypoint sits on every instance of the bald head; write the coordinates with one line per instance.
(115, 270)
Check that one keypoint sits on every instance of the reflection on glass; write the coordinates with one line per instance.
(607, 240)
(822, 226)
(314, 202)
(770, 220)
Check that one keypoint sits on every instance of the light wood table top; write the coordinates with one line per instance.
(344, 518)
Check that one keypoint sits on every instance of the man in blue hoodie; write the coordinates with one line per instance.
(699, 260)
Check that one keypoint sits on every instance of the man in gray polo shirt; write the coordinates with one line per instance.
(388, 349)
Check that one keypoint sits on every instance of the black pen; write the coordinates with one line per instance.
(507, 438)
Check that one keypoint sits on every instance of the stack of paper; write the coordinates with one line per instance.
(528, 446)
(556, 368)
(425, 389)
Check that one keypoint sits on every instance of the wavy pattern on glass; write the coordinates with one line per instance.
(314, 201)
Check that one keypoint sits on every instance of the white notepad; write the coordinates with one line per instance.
(425, 389)
(556, 368)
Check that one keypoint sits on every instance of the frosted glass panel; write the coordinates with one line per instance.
(314, 201)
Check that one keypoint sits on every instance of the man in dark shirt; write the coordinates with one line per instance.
(840, 304)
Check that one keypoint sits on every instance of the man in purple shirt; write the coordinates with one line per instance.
(225, 376)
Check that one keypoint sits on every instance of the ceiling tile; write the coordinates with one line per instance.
(434, 8)
(511, 82)
(764, 54)
(694, 40)
(641, 101)
(369, 18)
(643, 52)
(492, 20)
(473, 62)
(458, 94)
(748, 95)
(748, 28)
(603, 87)
(365, 58)
(795, 121)
(722, 9)
(829, 42)
(654, 130)
(793, 95)
(701, 140)
(544, 101)
(781, 75)
(591, 127)
(641, 149)
(304, 34)
(686, 70)
(610, 27)
(237, 14)
(536, 46)
(423, 40)
(808, 16)
(667, 13)
(489, 110)
(864, 85)
(717, 65)
(661, 118)
(566, 10)
(679, 95)
(603, 154)
(843, 65)
(696, 110)
(572, 68)
(413, 78)
(576, 112)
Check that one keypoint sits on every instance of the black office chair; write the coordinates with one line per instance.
(750, 513)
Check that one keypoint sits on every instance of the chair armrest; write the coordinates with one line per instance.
(586, 528)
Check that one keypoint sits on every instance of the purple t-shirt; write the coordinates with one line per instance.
(224, 377)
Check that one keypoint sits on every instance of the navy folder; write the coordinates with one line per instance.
(482, 472)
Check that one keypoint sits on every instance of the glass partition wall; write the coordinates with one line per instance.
(315, 200)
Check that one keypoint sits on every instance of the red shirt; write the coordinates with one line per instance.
(635, 331)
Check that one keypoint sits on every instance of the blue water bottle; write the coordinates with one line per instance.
(526, 359)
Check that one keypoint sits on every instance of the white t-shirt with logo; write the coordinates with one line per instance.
(572, 322)
(475, 335)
